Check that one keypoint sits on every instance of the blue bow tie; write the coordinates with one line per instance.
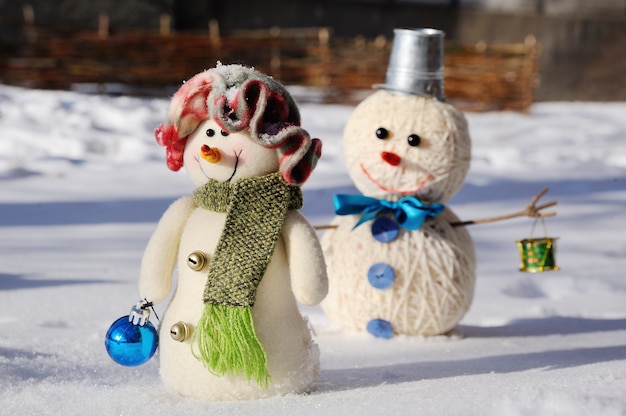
(410, 212)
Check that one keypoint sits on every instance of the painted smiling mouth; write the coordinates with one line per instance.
(419, 187)
(234, 168)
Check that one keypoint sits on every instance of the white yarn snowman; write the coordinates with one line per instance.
(398, 266)
(229, 125)
(399, 261)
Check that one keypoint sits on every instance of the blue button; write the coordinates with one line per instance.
(384, 229)
(380, 275)
(380, 328)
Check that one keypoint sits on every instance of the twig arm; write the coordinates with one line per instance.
(531, 210)
(324, 227)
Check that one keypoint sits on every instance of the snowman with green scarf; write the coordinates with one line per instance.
(243, 253)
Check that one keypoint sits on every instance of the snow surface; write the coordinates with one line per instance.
(82, 184)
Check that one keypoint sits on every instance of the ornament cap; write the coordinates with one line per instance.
(139, 314)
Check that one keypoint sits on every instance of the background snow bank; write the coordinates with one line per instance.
(82, 184)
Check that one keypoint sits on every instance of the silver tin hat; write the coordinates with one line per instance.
(416, 63)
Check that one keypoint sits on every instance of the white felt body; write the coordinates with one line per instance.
(293, 358)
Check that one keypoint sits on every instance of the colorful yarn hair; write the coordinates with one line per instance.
(240, 98)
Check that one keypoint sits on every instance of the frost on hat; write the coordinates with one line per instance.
(240, 98)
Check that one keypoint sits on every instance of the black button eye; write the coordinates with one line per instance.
(210, 132)
(414, 140)
(382, 133)
(224, 133)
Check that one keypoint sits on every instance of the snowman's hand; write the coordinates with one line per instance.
(533, 211)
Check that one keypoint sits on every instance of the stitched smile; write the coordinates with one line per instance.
(236, 164)
(422, 183)
(234, 169)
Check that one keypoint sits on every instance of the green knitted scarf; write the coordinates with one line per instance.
(255, 211)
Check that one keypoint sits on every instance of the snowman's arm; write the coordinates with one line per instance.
(531, 210)
(309, 281)
(159, 258)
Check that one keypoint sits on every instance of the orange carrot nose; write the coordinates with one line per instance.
(210, 154)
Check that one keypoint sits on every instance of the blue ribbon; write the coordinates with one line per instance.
(410, 212)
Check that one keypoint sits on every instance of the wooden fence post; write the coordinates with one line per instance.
(29, 22)
(103, 25)
(165, 24)
(323, 78)
(214, 30)
(29, 14)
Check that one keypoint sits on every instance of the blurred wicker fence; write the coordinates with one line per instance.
(478, 77)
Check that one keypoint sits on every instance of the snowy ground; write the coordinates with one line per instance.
(82, 184)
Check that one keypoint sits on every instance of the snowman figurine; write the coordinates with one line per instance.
(396, 264)
(244, 255)
(400, 261)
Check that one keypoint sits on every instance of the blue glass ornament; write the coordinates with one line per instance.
(380, 275)
(131, 344)
(385, 230)
(380, 328)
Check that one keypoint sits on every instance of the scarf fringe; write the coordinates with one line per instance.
(227, 343)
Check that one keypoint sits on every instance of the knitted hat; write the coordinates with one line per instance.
(240, 98)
